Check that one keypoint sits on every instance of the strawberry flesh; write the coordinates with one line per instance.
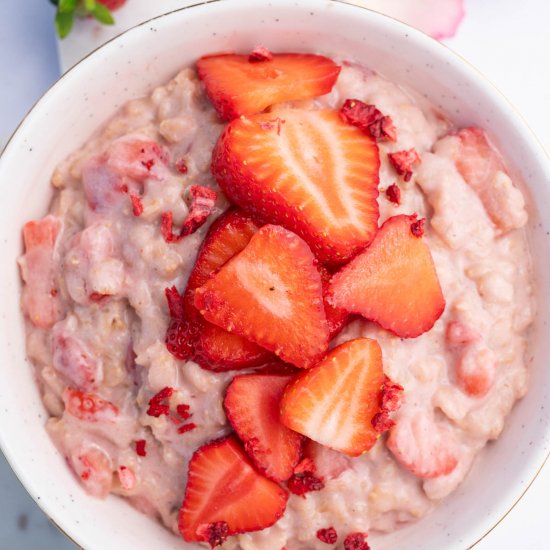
(244, 85)
(189, 335)
(334, 402)
(315, 175)
(393, 282)
(252, 407)
(271, 294)
(223, 486)
(369, 119)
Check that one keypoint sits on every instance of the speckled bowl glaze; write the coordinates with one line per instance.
(148, 55)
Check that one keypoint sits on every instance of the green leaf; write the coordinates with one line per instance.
(63, 23)
(90, 5)
(66, 6)
(102, 14)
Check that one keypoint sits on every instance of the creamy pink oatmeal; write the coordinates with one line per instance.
(130, 211)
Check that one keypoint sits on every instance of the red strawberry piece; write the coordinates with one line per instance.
(137, 205)
(223, 486)
(403, 161)
(252, 407)
(356, 541)
(334, 402)
(336, 317)
(328, 535)
(288, 175)
(89, 406)
(259, 54)
(393, 282)
(305, 479)
(189, 335)
(158, 405)
(390, 401)
(393, 193)
(271, 294)
(140, 447)
(423, 447)
(203, 200)
(479, 163)
(238, 87)
(369, 119)
(112, 4)
(40, 301)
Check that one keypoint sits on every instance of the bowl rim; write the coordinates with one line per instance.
(488, 85)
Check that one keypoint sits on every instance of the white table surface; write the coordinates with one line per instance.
(507, 40)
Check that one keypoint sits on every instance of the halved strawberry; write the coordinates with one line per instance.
(237, 86)
(336, 317)
(226, 495)
(190, 334)
(308, 171)
(271, 294)
(334, 402)
(252, 407)
(394, 281)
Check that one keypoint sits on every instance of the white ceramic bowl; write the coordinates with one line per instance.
(148, 55)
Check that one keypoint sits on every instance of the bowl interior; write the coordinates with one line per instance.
(148, 55)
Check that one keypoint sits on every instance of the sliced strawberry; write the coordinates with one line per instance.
(223, 486)
(334, 402)
(336, 317)
(393, 282)
(313, 174)
(240, 85)
(271, 294)
(252, 407)
(89, 407)
(189, 335)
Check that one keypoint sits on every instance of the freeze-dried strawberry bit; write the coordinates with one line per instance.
(392, 396)
(381, 422)
(137, 205)
(215, 534)
(183, 411)
(328, 535)
(157, 407)
(403, 162)
(203, 200)
(186, 428)
(393, 193)
(417, 227)
(259, 54)
(369, 119)
(149, 163)
(140, 447)
(181, 166)
(356, 541)
(175, 302)
(304, 479)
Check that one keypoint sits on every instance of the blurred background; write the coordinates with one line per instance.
(507, 40)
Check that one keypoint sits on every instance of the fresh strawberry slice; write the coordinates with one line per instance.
(252, 407)
(224, 488)
(310, 172)
(271, 294)
(239, 85)
(393, 282)
(334, 402)
(189, 334)
(336, 317)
